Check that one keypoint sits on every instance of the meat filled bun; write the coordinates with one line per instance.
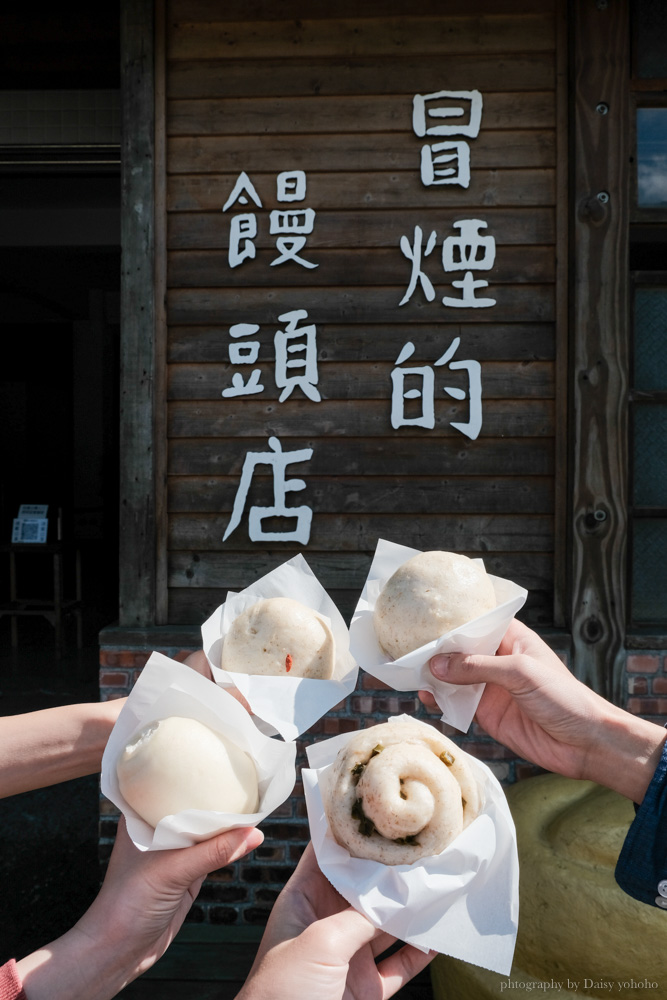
(177, 763)
(429, 595)
(400, 791)
(279, 636)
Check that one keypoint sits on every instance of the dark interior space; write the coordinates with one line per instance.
(59, 418)
(72, 45)
(59, 337)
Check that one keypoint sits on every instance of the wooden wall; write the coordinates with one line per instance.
(262, 88)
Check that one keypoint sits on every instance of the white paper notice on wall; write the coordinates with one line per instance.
(31, 525)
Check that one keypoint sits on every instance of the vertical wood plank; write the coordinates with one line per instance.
(599, 378)
(160, 380)
(137, 462)
(561, 495)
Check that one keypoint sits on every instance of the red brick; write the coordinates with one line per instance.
(387, 706)
(284, 810)
(647, 706)
(256, 916)
(658, 685)
(114, 678)
(183, 654)
(332, 726)
(643, 664)
(488, 751)
(370, 683)
(362, 705)
(223, 875)
(639, 685)
(222, 915)
(126, 658)
(216, 892)
(523, 771)
(277, 874)
(445, 728)
(267, 895)
(267, 852)
(108, 658)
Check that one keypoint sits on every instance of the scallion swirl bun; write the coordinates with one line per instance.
(400, 791)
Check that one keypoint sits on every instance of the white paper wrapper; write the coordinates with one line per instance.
(463, 902)
(458, 703)
(289, 705)
(166, 688)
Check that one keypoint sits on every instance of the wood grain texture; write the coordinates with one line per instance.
(376, 494)
(254, 88)
(334, 532)
(339, 116)
(386, 266)
(209, 11)
(502, 380)
(403, 455)
(348, 419)
(368, 190)
(285, 77)
(513, 148)
(382, 342)
(138, 525)
(513, 304)
(349, 37)
(600, 348)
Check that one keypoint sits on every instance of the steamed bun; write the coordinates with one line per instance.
(279, 636)
(400, 791)
(429, 595)
(177, 763)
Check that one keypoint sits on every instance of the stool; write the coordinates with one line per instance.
(54, 609)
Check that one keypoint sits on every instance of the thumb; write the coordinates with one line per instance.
(465, 668)
(193, 863)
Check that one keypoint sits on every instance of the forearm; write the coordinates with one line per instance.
(75, 967)
(625, 754)
(53, 745)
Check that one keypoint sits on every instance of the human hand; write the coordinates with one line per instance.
(139, 909)
(535, 706)
(198, 661)
(316, 945)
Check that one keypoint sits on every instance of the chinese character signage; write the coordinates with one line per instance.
(459, 257)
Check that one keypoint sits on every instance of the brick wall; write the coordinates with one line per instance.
(646, 675)
(243, 893)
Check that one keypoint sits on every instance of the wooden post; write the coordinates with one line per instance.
(137, 386)
(599, 340)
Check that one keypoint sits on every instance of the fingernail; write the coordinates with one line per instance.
(439, 666)
(254, 839)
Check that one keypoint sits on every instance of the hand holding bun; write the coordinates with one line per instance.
(429, 595)
(279, 636)
(178, 763)
(400, 791)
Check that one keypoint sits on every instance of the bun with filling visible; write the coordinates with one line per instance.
(279, 636)
(400, 791)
